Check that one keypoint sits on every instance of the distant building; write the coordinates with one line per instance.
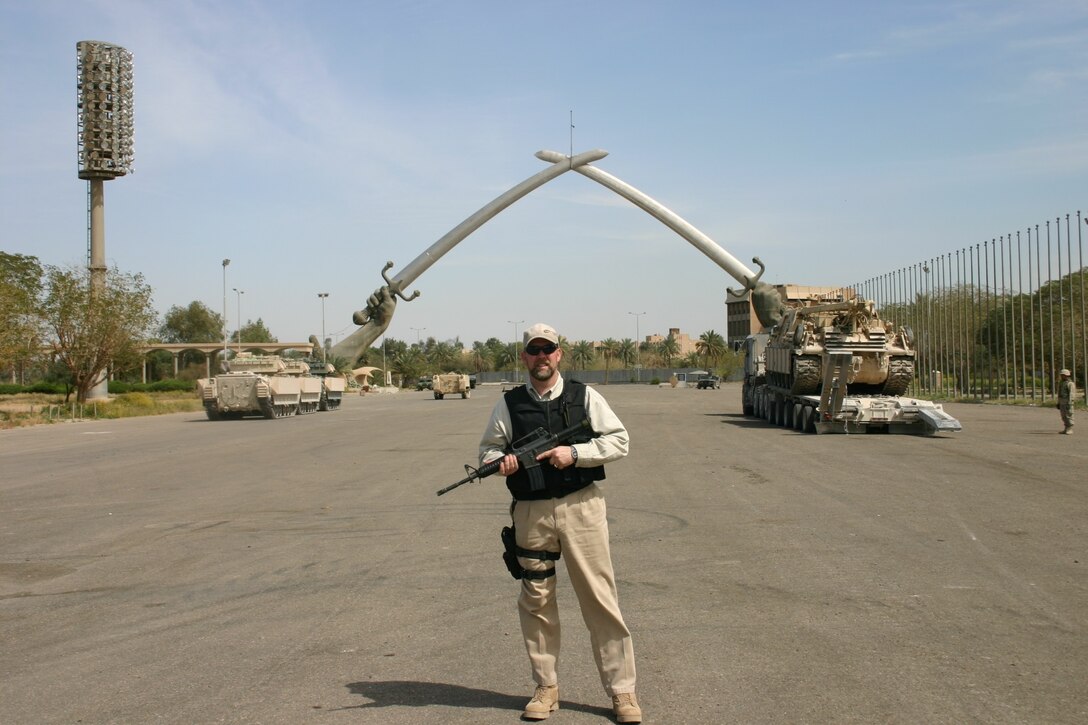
(740, 317)
(683, 340)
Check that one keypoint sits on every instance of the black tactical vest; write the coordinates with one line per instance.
(526, 415)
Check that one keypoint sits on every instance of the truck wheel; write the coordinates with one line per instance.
(808, 419)
(465, 395)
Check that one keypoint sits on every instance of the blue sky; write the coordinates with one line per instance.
(311, 142)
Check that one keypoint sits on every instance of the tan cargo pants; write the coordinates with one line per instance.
(575, 525)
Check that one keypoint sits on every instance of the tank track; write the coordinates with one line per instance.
(900, 375)
(806, 375)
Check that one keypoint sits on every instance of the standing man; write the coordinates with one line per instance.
(566, 517)
(1067, 394)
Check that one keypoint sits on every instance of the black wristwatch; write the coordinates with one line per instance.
(574, 453)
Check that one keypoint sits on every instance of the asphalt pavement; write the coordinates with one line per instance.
(302, 570)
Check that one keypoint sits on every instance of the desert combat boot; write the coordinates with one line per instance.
(545, 701)
(626, 708)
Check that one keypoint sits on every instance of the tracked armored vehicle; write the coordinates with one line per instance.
(798, 349)
(837, 367)
(332, 385)
(266, 385)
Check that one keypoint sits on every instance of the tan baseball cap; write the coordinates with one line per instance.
(543, 331)
(1064, 373)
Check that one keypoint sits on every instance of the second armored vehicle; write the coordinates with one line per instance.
(332, 385)
(266, 385)
(451, 384)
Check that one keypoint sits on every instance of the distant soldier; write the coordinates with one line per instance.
(1067, 393)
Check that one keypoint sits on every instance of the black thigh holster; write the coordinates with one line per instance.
(511, 552)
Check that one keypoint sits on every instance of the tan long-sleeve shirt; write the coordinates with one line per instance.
(611, 443)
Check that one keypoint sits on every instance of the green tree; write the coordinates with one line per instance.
(20, 322)
(627, 352)
(409, 364)
(506, 357)
(668, 349)
(609, 349)
(194, 323)
(711, 346)
(341, 365)
(92, 328)
(691, 360)
(443, 356)
(481, 356)
(583, 354)
(257, 332)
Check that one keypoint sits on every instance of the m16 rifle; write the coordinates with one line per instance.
(526, 450)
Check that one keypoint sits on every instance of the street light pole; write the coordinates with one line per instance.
(515, 358)
(417, 329)
(324, 353)
(240, 293)
(638, 344)
(225, 326)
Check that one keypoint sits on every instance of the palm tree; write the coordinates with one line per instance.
(481, 356)
(668, 349)
(711, 346)
(626, 352)
(608, 348)
(409, 364)
(443, 356)
(582, 354)
(341, 365)
(691, 360)
(505, 357)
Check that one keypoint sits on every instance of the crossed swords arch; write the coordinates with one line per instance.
(560, 163)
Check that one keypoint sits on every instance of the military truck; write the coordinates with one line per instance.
(451, 384)
(266, 385)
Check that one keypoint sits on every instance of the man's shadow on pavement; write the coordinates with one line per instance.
(400, 693)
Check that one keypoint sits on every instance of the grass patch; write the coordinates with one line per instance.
(26, 409)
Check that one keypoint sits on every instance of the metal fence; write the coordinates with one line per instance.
(996, 320)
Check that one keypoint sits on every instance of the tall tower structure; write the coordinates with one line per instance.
(105, 126)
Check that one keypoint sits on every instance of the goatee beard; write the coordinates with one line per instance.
(543, 372)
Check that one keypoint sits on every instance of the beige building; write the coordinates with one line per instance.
(683, 340)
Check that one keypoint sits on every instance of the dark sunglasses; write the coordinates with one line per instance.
(537, 349)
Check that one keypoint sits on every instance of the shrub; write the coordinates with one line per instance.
(171, 385)
(135, 400)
